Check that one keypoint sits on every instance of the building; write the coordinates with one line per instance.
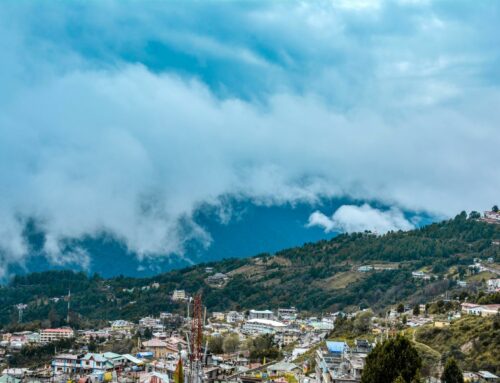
(122, 325)
(234, 317)
(262, 326)
(158, 347)
(217, 315)
(179, 295)
(337, 363)
(66, 364)
(365, 268)
(261, 314)
(52, 334)
(288, 314)
(287, 337)
(491, 217)
(420, 275)
(217, 279)
(493, 285)
(481, 310)
(282, 368)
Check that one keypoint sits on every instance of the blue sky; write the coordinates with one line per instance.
(124, 116)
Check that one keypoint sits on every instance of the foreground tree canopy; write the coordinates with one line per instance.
(452, 373)
(393, 360)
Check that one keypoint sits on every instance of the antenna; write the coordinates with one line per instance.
(20, 308)
(69, 305)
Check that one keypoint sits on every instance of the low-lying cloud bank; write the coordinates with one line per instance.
(352, 218)
(94, 137)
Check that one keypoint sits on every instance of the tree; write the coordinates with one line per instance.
(391, 359)
(362, 322)
(495, 208)
(215, 344)
(416, 310)
(474, 215)
(452, 373)
(231, 343)
(401, 308)
(399, 379)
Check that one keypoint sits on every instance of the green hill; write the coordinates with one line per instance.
(315, 277)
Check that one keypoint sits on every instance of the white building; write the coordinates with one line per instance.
(261, 314)
(287, 313)
(52, 334)
(234, 317)
(179, 295)
(262, 326)
(493, 285)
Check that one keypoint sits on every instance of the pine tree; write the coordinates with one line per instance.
(391, 359)
(452, 373)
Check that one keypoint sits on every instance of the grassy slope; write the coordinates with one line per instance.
(473, 341)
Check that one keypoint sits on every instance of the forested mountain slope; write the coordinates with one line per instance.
(315, 277)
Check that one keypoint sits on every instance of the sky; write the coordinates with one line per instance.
(125, 116)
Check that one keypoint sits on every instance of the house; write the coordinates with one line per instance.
(6, 378)
(420, 275)
(218, 279)
(282, 368)
(260, 314)
(95, 363)
(154, 377)
(66, 364)
(365, 268)
(158, 347)
(487, 376)
(481, 310)
(220, 316)
(52, 334)
(491, 217)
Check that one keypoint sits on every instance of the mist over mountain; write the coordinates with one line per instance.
(242, 229)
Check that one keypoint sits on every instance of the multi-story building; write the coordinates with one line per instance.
(287, 313)
(122, 325)
(234, 317)
(261, 314)
(262, 326)
(52, 334)
(179, 295)
(337, 363)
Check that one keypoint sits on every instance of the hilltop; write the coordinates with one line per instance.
(320, 276)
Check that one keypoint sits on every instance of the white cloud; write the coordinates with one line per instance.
(352, 218)
(376, 107)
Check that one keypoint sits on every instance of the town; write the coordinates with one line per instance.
(279, 344)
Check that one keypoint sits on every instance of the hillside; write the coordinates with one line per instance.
(315, 277)
(473, 341)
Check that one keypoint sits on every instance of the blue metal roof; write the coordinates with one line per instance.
(336, 347)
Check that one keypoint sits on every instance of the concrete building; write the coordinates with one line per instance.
(261, 314)
(262, 326)
(179, 295)
(52, 334)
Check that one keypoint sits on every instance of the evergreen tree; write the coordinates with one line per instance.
(452, 373)
(391, 359)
